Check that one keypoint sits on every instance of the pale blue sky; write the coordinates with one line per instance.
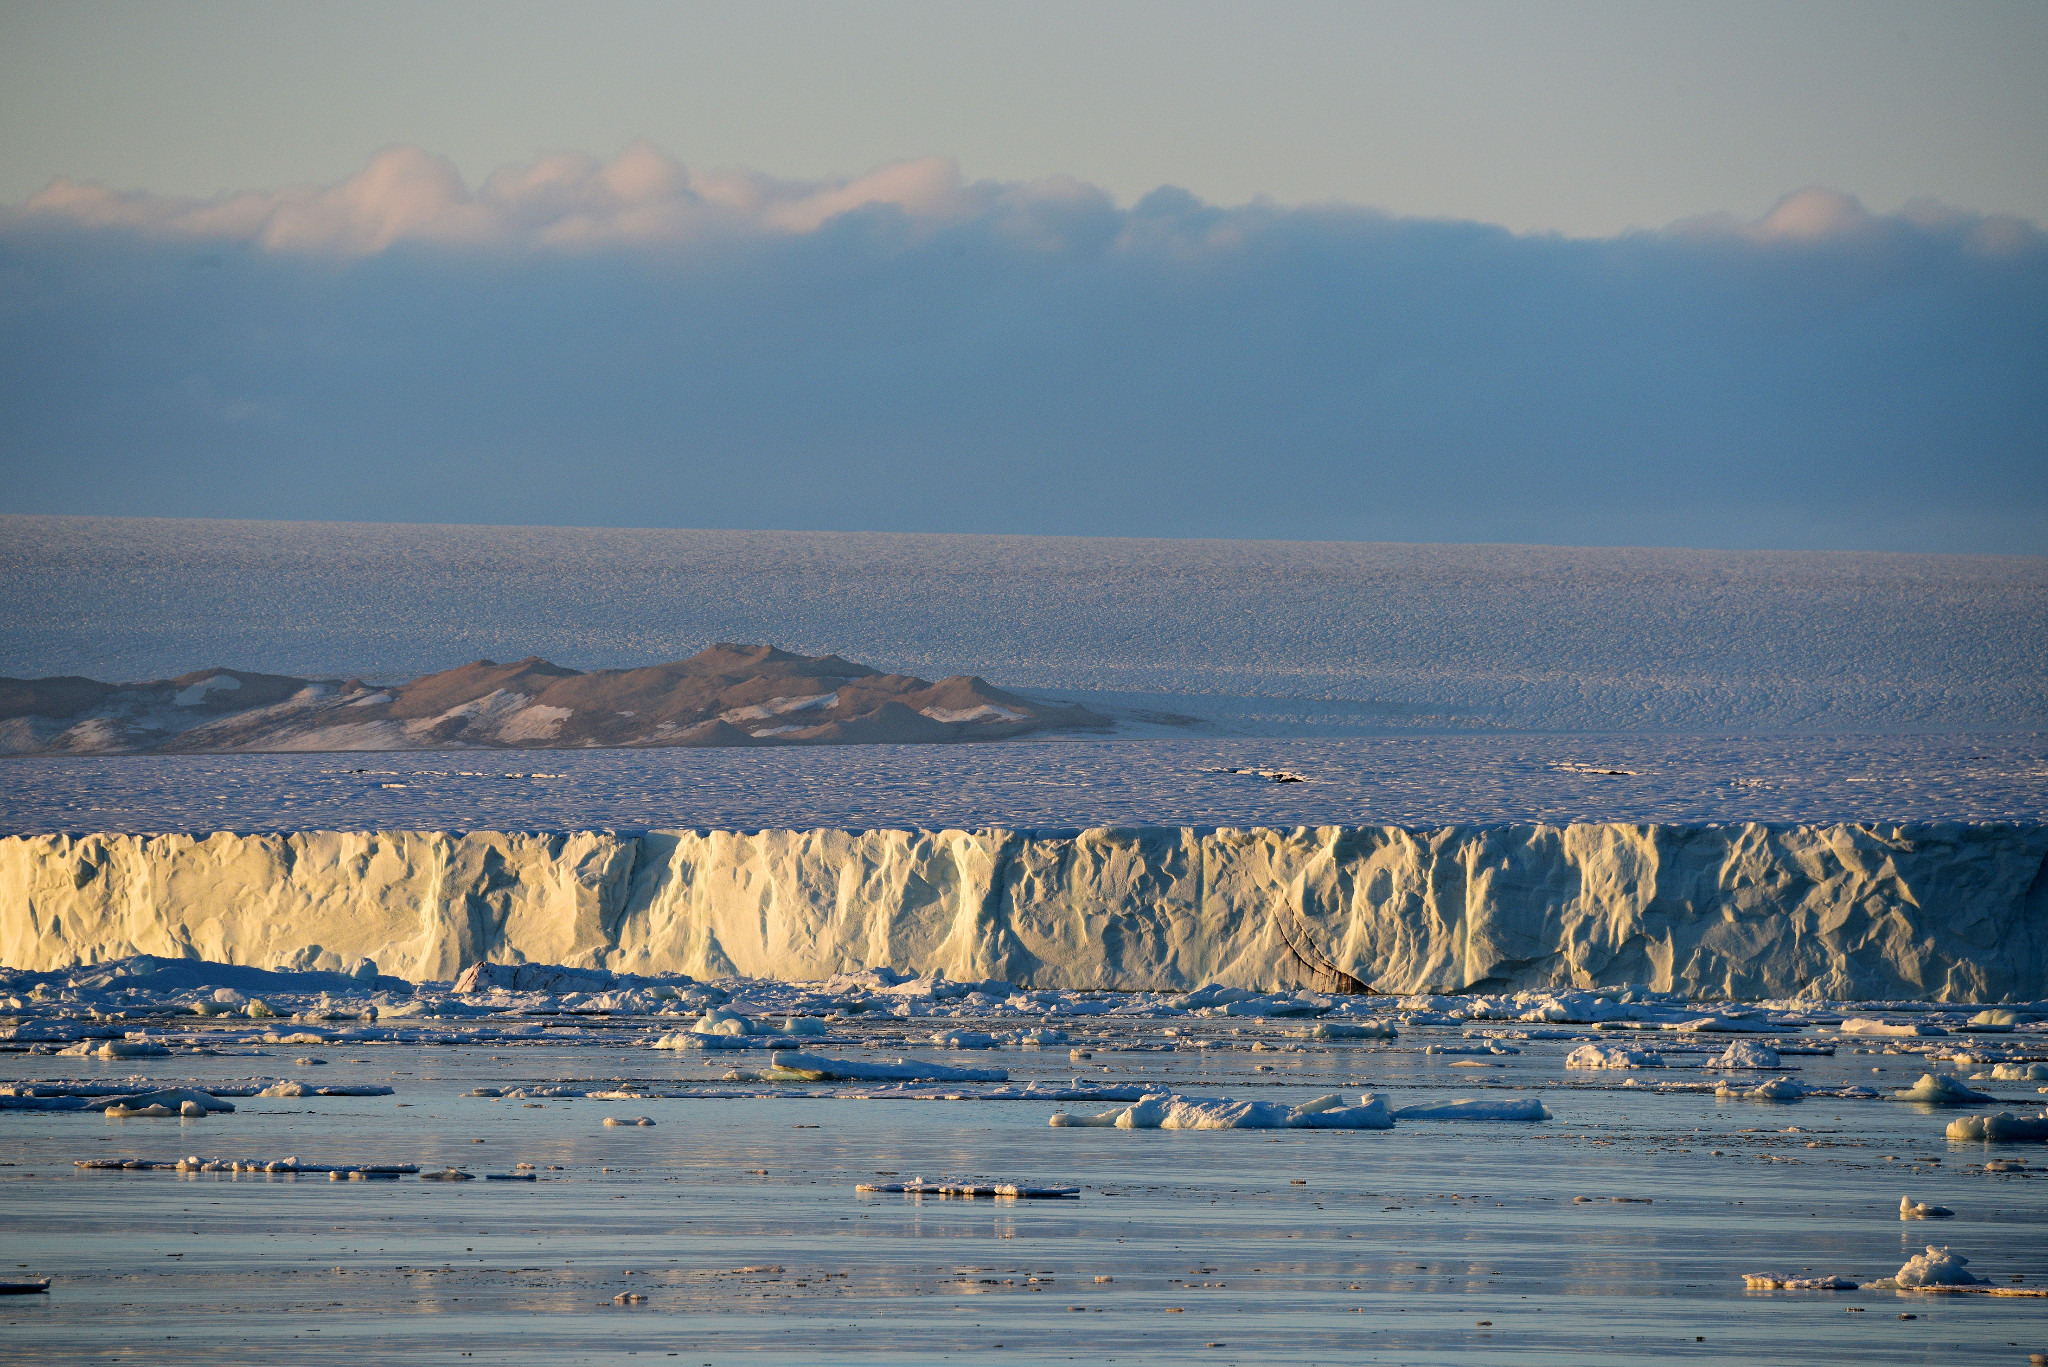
(1583, 118)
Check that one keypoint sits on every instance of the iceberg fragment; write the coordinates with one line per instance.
(1942, 1089)
(1172, 1111)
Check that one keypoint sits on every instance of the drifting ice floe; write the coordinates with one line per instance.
(971, 1189)
(1773, 1281)
(179, 1101)
(637, 1121)
(1942, 1089)
(306, 1089)
(1935, 1267)
(1745, 1053)
(818, 1068)
(1872, 1026)
(1909, 1209)
(1612, 1056)
(272, 1165)
(1326, 1030)
(1164, 1111)
(1526, 1108)
(2003, 1127)
(1777, 1089)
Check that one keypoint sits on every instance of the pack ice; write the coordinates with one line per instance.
(1951, 912)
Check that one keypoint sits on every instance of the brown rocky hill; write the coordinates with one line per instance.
(727, 695)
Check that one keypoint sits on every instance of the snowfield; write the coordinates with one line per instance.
(1322, 638)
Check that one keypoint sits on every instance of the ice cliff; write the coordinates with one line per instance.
(1950, 912)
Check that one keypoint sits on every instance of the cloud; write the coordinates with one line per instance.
(638, 341)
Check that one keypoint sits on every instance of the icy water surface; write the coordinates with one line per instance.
(738, 1221)
(1405, 780)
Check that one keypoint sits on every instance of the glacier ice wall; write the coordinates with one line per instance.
(1946, 911)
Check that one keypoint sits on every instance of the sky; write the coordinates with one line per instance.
(1716, 275)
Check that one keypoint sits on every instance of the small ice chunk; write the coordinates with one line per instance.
(1016, 1190)
(1748, 1053)
(636, 1120)
(1164, 1111)
(1467, 1108)
(446, 1175)
(1612, 1056)
(720, 1020)
(1998, 1021)
(2020, 1072)
(1909, 1209)
(2002, 1128)
(1777, 1089)
(963, 1039)
(818, 1068)
(1942, 1089)
(1774, 1281)
(1373, 1029)
(1871, 1025)
(1935, 1267)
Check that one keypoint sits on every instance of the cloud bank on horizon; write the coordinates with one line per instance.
(637, 342)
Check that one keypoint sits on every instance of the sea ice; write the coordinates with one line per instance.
(1777, 1089)
(1164, 1111)
(116, 1048)
(818, 1068)
(1909, 1209)
(1370, 1029)
(2002, 1128)
(1935, 1267)
(971, 1189)
(1745, 1053)
(964, 1039)
(1773, 1281)
(2020, 1072)
(1872, 1026)
(1942, 1089)
(1612, 1056)
(1525, 1108)
(643, 1121)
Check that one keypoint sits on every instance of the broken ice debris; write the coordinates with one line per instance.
(1612, 1056)
(1909, 1209)
(1017, 1190)
(1777, 1089)
(304, 1089)
(1374, 1029)
(636, 1121)
(1773, 1281)
(1871, 1025)
(176, 1101)
(818, 1068)
(1163, 1111)
(1524, 1108)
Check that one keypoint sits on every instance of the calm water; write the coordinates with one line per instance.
(1431, 1242)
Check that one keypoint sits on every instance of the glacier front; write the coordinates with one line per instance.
(1943, 911)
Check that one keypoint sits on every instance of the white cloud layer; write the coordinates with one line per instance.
(570, 202)
(635, 342)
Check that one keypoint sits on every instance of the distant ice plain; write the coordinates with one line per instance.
(1253, 638)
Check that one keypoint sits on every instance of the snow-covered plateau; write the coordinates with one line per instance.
(1948, 912)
